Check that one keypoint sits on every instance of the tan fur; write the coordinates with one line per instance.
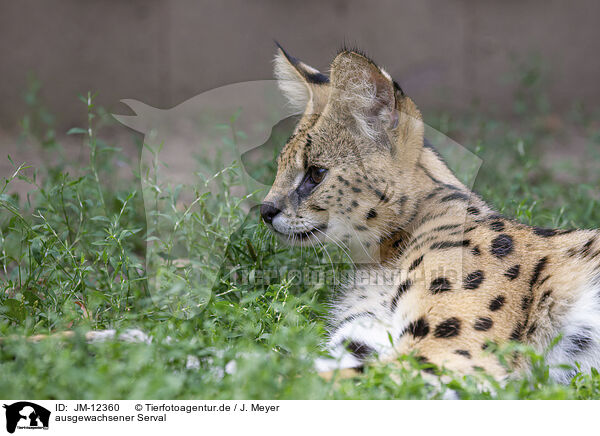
(378, 165)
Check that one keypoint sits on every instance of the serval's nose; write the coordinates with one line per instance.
(269, 211)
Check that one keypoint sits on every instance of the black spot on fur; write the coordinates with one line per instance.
(474, 280)
(371, 214)
(424, 361)
(405, 286)
(531, 330)
(545, 233)
(539, 267)
(419, 328)
(355, 189)
(344, 181)
(359, 349)
(476, 251)
(513, 272)
(566, 232)
(415, 263)
(307, 149)
(502, 245)
(579, 343)
(497, 226)
(473, 210)
(430, 217)
(483, 324)
(450, 244)
(487, 345)
(517, 332)
(455, 196)
(572, 252)
(384, 198)
(464, 353)
(497, 303)
(448, 328)
(446, 227)
(526, 302)
(433, 193)
(586, 248)
(441, 284)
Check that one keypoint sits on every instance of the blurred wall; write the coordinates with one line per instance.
(443, 53)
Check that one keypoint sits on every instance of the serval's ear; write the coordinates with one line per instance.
(305, 87)
(366, 91)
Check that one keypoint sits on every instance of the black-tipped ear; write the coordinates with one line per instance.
(310, 74)
(304, 86)
(365, 90)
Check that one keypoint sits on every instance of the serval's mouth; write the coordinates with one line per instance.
(307, 235)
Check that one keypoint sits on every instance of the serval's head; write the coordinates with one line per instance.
(346, 172)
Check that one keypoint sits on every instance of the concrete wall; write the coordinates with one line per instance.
(443, 53)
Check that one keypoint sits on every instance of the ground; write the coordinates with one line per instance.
(72, 257)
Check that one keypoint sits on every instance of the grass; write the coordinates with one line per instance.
(72, 256)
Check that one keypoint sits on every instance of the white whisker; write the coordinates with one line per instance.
(335, 281)
(361, 244)
(339, 243)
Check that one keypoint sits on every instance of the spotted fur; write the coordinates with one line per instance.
(460, 275)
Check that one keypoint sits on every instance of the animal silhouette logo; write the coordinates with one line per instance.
(227, 128)
(26, 415)
(187, 148)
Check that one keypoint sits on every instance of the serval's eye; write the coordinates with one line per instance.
(316, 174)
